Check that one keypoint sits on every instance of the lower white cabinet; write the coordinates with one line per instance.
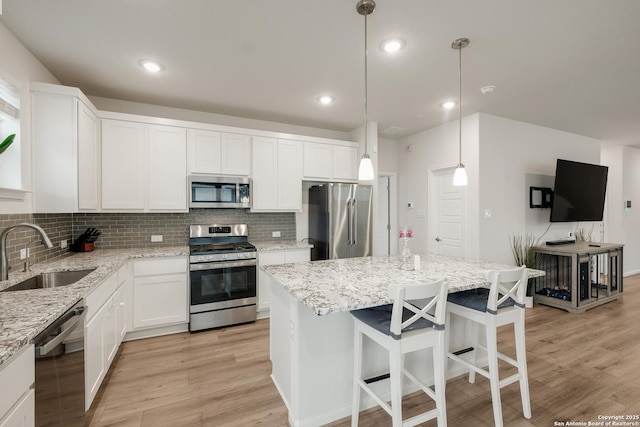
(160, 292)
(272, 258)
(104, 330)
(17, 398)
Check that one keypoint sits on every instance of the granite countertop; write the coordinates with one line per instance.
(281, 245)
(347, 284)
(24, 314)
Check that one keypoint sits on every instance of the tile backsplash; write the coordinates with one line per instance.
(130, 230)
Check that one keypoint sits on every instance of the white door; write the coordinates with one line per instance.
(448, 214)
(383, 227)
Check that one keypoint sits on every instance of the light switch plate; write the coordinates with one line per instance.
(23, 253)
(276, 234)
(156, 238)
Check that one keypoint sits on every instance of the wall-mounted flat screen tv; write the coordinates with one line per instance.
(579, 192)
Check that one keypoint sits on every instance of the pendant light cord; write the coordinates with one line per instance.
(366, 125)
(460, 106)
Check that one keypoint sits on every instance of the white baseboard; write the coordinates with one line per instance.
(156, 332)
(630, 273)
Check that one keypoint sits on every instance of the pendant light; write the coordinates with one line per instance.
(460, 175)
(365, 170)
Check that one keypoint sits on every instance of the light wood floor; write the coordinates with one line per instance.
(580, 366)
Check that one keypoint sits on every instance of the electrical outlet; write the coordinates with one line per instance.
(570, 234)
(156, 238)
(276, 234)
(23, 253)
(63, 244)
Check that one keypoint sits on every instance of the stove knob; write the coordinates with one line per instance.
(240, 255)
(209, 256)
(225, 256)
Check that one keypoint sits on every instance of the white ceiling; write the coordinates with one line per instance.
(572, 65)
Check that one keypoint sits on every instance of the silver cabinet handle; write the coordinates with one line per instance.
(438, 239)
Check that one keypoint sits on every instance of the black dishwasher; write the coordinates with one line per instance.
(60, 371)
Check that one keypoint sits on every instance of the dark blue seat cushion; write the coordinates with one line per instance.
(475, 299)
(379, 318)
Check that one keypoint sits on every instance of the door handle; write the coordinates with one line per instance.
(438, 239)
(354, 216)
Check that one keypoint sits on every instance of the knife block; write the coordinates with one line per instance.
(82, 246)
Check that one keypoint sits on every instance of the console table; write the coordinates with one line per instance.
(578, 276)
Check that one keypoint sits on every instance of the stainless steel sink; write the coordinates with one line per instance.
(50, 280)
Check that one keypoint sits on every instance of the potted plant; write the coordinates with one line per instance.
(523, 254)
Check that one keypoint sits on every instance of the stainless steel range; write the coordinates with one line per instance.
(222, 272)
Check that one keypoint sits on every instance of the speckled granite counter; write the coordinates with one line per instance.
(24, 314)
(281, 245)
(346, 284)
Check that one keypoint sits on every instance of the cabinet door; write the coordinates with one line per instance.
(121, 312)
(265, 174)
(55, 161)
(122, 165)
(167, 166)
(88, 159)
(110, 331)
(160, 300)
(23, 413)
(345, 163)
(289, 175)
(297, 255)
(94, 355)
(317, 161)
(204, 148)
(236, 154)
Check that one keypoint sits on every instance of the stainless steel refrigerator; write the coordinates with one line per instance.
(340, 221)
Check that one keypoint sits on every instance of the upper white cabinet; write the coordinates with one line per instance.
(122, 165)
(66, 141)
(236, 154)
(277, 175)
(167, 168)
(218, 153)
(330, 162)
(204, 150)
(144, 167)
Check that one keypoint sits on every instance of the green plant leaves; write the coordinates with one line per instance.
(7, 142)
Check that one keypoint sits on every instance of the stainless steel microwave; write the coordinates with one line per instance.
(219, 192)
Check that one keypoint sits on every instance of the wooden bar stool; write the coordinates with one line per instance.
(501, 304)
(402, 328)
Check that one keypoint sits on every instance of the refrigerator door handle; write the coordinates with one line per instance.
(349, 225)
(354, 216)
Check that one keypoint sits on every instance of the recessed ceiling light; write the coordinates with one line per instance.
(392, 45)
(152, 67)
(448, 105)
(326, 99)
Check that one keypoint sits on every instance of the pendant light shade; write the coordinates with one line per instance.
(460, 175)
(365, 169)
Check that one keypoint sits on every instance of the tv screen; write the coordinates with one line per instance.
(579, 191)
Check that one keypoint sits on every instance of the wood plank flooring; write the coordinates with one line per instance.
(580, 366)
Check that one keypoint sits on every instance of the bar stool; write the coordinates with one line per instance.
(402, 328)
(501, 304)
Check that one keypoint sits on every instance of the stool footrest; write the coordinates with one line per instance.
(510, 380)
(471, 366)
(419, 419)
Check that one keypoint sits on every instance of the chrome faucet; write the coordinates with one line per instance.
(4, 261)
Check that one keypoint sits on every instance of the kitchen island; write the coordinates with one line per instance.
(312, 331)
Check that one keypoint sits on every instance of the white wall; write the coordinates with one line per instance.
(434, 149)
(623, 183)
(509, 151)
(20, 67)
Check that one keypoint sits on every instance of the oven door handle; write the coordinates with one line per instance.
(219, 265)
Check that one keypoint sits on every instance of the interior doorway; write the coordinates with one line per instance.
(447, 214)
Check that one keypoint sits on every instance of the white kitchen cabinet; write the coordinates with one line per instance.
(235, 154)
(167, 168)
(277, 175)
(17, 398)
(204, 152)
(123, 171)
(273, 258)
(144, 167)
(102, 336)
(160, 292)
(345, 163)
(330, 162)
(66, 141)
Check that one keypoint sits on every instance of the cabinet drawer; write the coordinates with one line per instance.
(101, 294)
(19, 371)
(160, 266)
